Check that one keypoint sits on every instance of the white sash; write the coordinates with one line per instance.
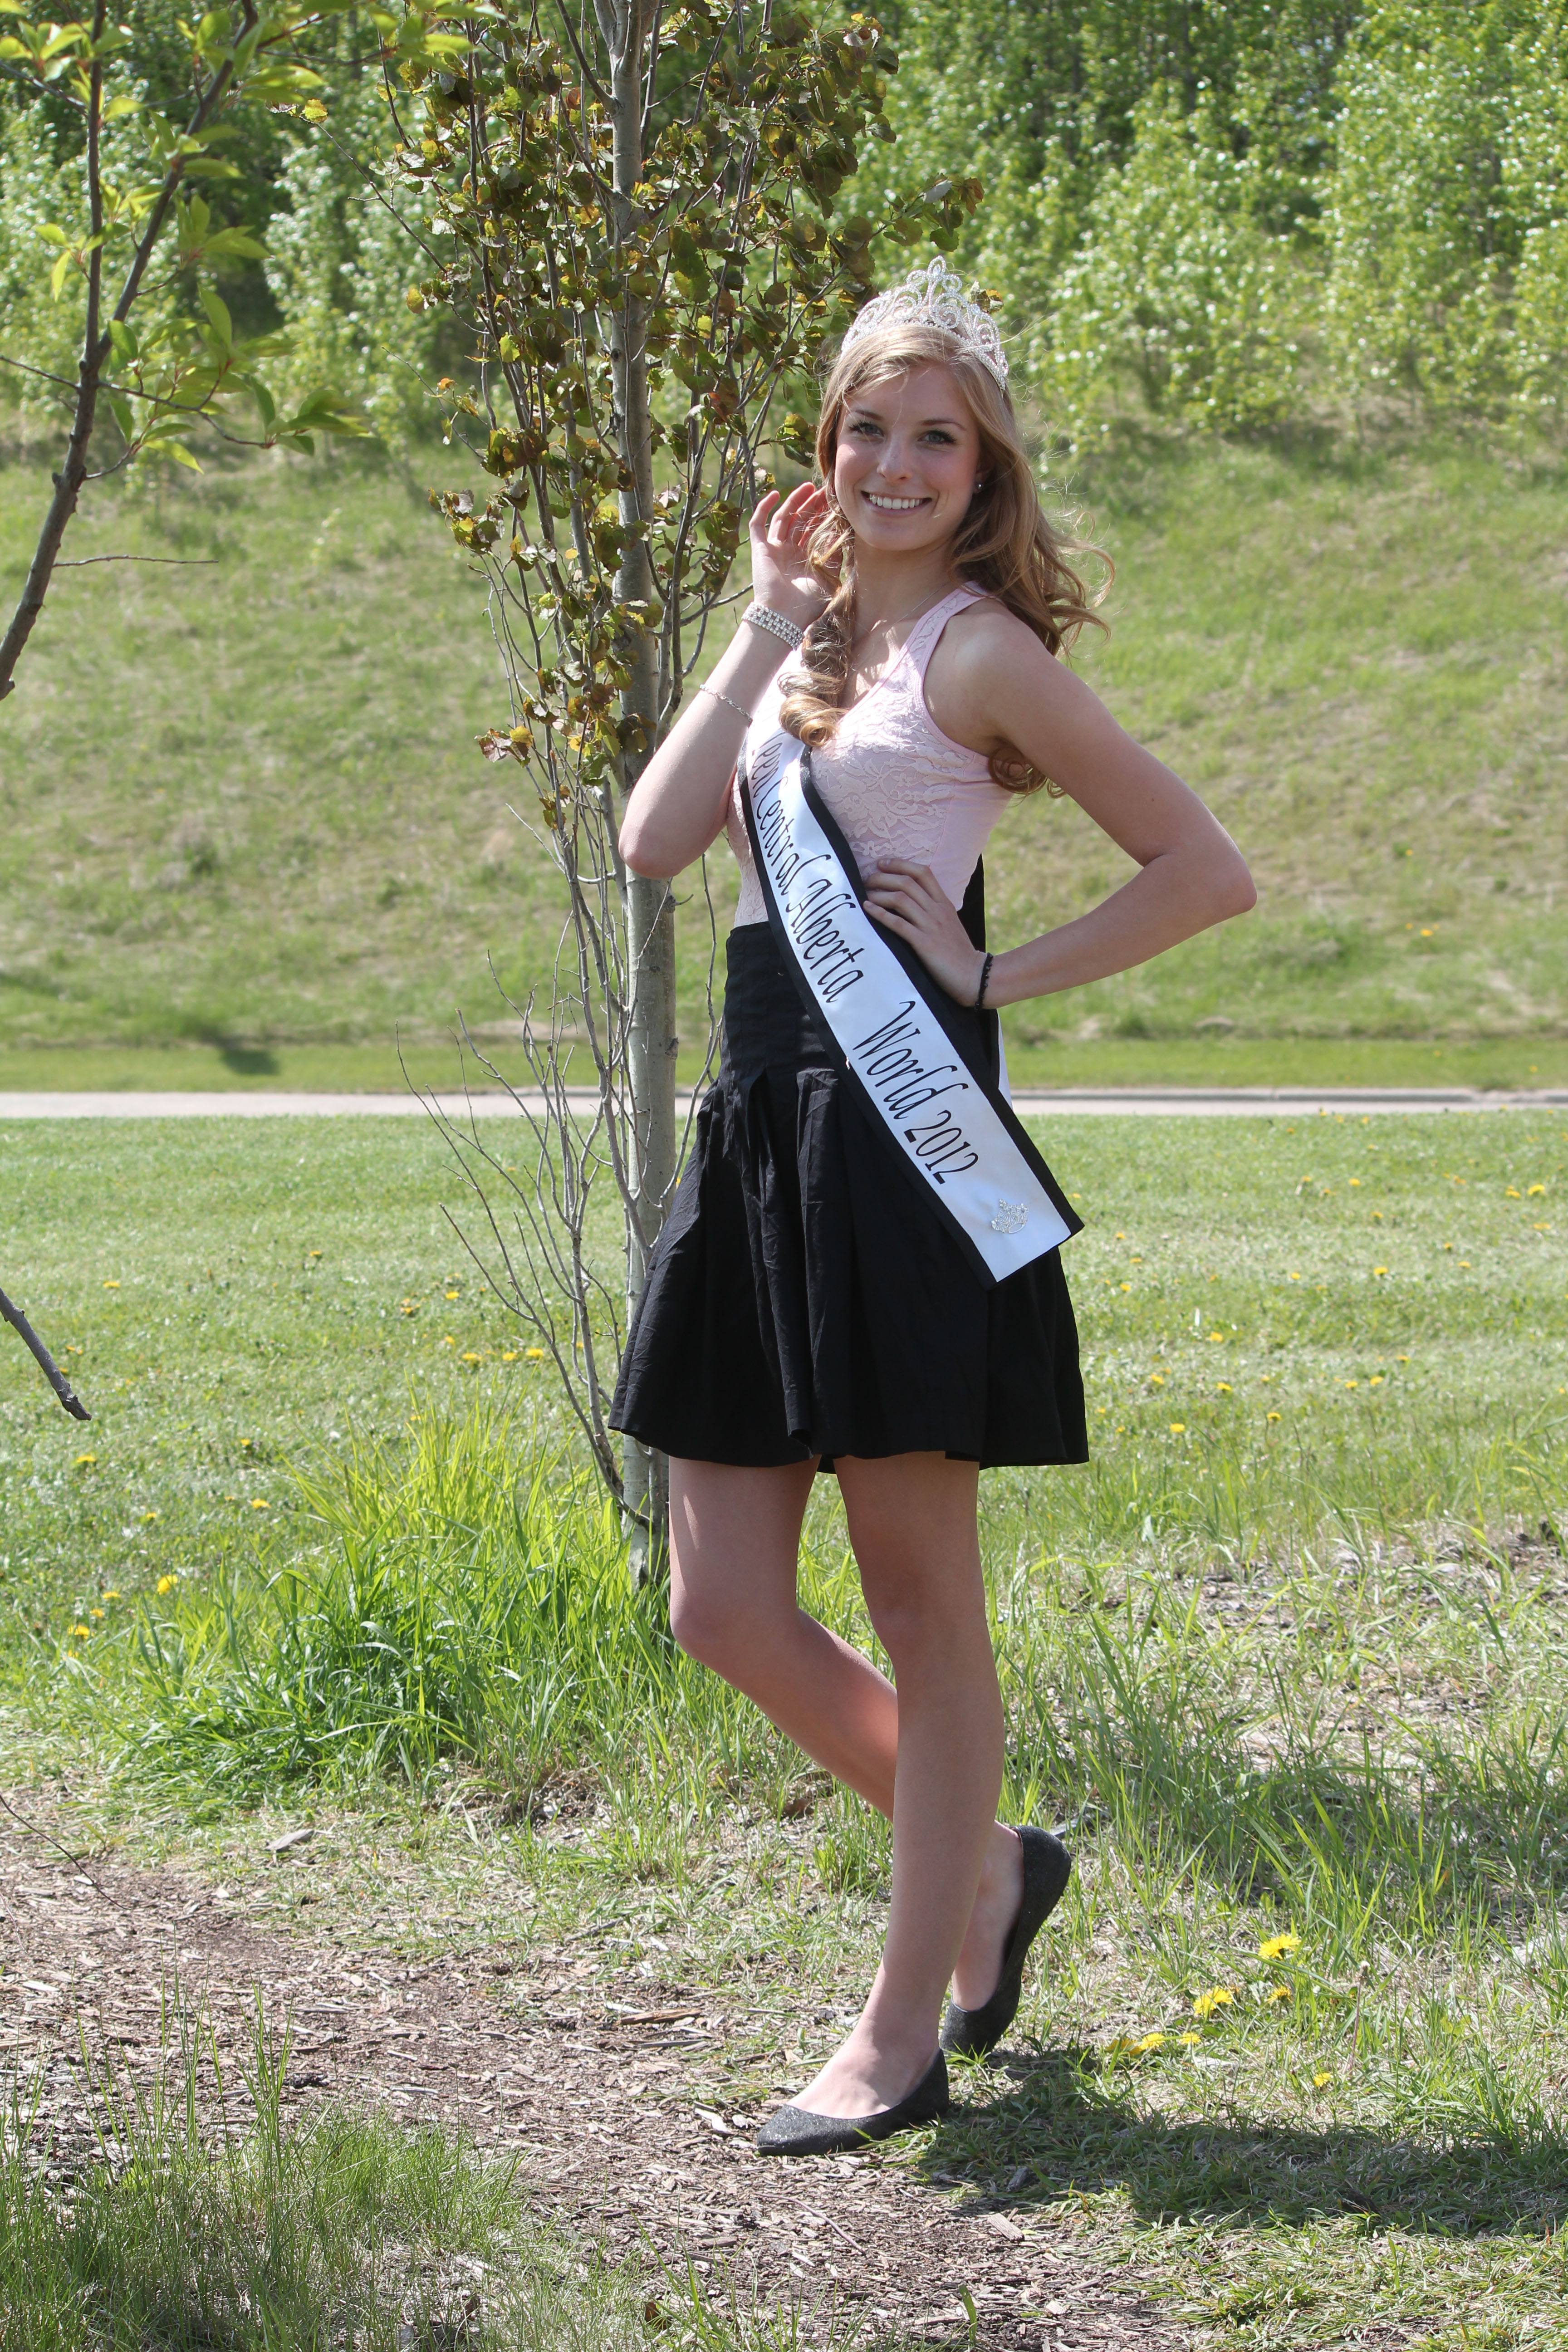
(951, 1126)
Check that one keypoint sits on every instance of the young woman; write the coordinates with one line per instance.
(816, 1299)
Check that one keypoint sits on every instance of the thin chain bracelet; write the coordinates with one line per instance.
(726, 702)
(776, 625)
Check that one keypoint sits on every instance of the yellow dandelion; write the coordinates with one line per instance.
(1178, 1429)
(1158, 1379)
(535, 1355)
(1223, 1388)
(1355, 1181)
(1187, 2039)
(246, 1445)
(469, 1357)
(1294, 1277)
(112, 1594)
(1531, 1190)
(1121, 1238)
(1150, 2042)
(111, 1285)
(447, 1340)
(1273, 1416)
(1319, 2080)
(148, 1518)
(1217, 1996)
(96, 1614)
(1380, 1269)
(81, 1632)
(453, 1294)
(1465, 1263)
(84, 1461)
(1427, 932)
(1377, 1380)
(1277, 1993)
(1218, 1334)
(508, 1355)
(408, 1306)
(258, 1503)
(1126, 1286)
(1401, 1359)
(315, 1252)
(1278, 1945)
(1512, 1194)
(167, 1584)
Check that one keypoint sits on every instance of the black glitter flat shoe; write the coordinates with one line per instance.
(1048, 1865)
(795, 2131)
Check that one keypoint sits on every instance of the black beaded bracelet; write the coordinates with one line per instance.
(985, 984)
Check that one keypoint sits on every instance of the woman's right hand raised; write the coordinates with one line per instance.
(782, 578)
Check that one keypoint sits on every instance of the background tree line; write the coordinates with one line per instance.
(1212, 212)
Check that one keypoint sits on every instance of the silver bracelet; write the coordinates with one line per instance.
(775, 623)
(726, 702)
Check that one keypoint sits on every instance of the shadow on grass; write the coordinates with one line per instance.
(1072, 2132)
(246, 1061)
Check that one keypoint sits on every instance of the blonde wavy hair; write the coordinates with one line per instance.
(1003, 543)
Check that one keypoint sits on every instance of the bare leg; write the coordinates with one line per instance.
(912, 1524)
(735, 1541)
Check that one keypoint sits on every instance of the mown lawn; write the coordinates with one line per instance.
(1288, 1655)
(242, 814)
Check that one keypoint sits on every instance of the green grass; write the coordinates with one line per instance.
(1290, 1654)
(267, 2236)
(244, 816)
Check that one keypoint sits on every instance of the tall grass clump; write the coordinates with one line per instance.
(181, 2229)
(465, 1600)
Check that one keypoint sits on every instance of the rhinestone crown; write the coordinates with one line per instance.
(935, 296)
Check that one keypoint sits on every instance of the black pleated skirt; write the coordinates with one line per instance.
(804, 1299)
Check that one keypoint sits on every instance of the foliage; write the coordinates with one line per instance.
(1177, 291)
(160, 368)
(1365, 200)
(341, 256)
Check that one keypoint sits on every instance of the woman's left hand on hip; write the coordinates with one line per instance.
(909, 900)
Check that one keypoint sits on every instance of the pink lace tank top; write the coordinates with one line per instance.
(897, 784)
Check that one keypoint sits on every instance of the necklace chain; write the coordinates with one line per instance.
(891, 620)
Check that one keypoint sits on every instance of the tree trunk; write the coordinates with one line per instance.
(649, 904)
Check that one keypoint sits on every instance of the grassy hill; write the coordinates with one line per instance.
(242, 815)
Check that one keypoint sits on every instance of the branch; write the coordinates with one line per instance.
(79, 563)
(51, 1371)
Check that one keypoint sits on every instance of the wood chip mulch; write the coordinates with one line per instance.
(589, 2098)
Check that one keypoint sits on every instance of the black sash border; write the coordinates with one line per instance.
(947, 1011)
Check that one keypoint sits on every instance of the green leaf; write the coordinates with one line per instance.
(217, 311)
(58, 273)
(234, 240)
(123, 337)
(119, 107)
(120, 409)
(54, 234)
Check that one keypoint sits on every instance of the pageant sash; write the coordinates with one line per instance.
(952, 1130)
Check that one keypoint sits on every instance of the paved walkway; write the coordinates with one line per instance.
(1114, 1102)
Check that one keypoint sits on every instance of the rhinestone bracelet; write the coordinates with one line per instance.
(775, 623)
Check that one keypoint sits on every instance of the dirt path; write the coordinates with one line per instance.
(594, 2100)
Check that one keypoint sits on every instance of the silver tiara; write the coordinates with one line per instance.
(935, 297)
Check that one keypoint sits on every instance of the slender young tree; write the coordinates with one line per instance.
(640, 203)
(157, 345)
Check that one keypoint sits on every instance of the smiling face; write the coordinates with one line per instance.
(906, 458)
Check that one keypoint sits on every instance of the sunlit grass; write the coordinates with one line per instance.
(1294, 1678)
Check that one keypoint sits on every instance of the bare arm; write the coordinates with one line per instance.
(677, 807)
(1004, 687)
